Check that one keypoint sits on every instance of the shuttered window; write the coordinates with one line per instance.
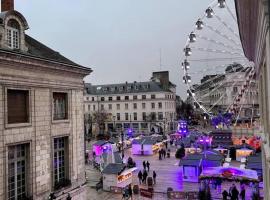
(17, 106)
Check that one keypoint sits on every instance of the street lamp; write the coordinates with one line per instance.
(130, 121)
(114, 129)
(122, 140)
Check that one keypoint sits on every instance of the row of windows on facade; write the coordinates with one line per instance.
(123, 87)
(18, 106)
(118, 98)
(151, 116)
(18, 167)
(118, 106)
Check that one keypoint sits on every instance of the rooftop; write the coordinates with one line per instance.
(114, 168)
(124, 88)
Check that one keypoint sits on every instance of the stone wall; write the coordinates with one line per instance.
(41, 82)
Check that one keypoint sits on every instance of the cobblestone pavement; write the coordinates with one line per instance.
(168, 175)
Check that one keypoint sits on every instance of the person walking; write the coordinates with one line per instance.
(144, 165)
(166, 144)
(140, 176)
(154, 176)
(130, 191)
(148, 166)
(235, 194)
(68, 197)
(159, 155)
(145, 174)
(164, 153)
(243, 192)
(225, 195)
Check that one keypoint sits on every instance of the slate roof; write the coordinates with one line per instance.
(211, 163)
(193, 157)
(145, 140)
(114, 168)
(124, 88)
(254, 166)
(254, 159)
(40, 50)
(187, 162)
(101, 142)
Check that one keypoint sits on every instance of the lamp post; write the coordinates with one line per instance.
(114, 129)
(164, 125)
(122, 140)
(130, 121)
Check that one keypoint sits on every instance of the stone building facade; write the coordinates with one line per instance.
(140, 106)
(218, 92)
(41, 116)
(253, 20)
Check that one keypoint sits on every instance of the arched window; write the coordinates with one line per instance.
(13, 34)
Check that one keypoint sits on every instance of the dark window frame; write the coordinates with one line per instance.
(27, 109)
(66, 113)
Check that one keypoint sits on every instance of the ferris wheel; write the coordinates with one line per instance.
(215, 70)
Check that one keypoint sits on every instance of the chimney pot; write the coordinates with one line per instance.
(7, 5)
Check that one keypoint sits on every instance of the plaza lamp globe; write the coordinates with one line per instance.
(209, 12)
(199, 24)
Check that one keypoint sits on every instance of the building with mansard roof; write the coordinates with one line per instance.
(140, 106)
(41, 116)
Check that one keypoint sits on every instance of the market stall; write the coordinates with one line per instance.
(191, 169)
(103, 146)
(243, 151)
(229, 173)
(146, 146)
(116, 175)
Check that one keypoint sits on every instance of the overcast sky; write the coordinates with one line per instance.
(119, 39)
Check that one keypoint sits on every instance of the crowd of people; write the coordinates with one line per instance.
(142, 176)
(233, 193)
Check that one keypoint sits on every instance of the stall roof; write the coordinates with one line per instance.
(113, 140)
(230, 173)
(186, 162)
(255, 166)
(214, 157)
(101, 142)
(211, 163)
(193, 157)
(114, 168)
(244, 146)
(145, 140)
(254, 159)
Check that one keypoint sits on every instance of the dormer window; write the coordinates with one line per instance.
(13, 34)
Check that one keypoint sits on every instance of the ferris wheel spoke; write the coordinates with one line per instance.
(217, 59)
(216, 51)
(234, 83)
(231, 13)
(222, 35)
(227, 26)
(219, 43)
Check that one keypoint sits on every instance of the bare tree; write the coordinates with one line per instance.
(100, 117)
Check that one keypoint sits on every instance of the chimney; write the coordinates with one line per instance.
(7, 5)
